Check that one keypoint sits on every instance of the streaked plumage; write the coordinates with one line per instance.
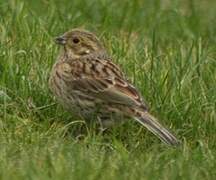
(87, 83)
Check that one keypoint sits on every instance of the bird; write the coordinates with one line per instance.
(86, 81)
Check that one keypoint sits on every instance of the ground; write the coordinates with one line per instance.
(167, 48)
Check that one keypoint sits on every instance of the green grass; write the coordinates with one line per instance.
(168, 48)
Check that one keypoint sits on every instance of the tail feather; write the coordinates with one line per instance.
(151, 123)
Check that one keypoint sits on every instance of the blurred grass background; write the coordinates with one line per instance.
(168, 48)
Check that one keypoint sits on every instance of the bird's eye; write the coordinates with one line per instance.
(76, 40)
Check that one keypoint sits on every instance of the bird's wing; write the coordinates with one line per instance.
(109, 90)
(104, 80)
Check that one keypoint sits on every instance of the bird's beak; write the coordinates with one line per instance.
(60, 40)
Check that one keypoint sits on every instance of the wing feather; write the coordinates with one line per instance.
(110, 86)
(109, 90)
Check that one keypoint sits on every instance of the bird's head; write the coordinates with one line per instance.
(79, 42)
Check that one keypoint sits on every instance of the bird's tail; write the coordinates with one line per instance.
(151, 123)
